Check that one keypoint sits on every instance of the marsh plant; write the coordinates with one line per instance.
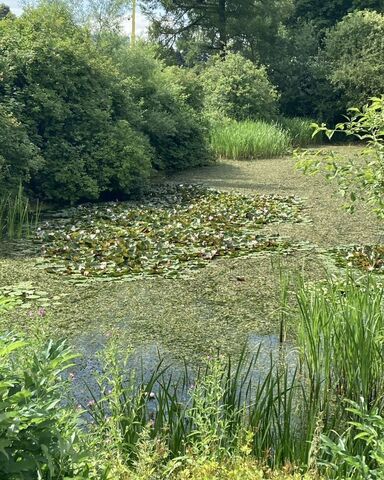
(249, 139)
(17, 219)
(300, 131)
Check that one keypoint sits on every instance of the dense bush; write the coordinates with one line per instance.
(93, 118)
(73, 106)
(354, 57)
(237, 88)
(19, 157)
(33, 430)
(171, 99)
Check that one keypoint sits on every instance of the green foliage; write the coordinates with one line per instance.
(359, 451)
(341, 342)
(5, 11)
(180, 227)
(339, 355)
(327, 13)
(33, 426)
(293, 70)
(361, 179)
(354, 57)
(249, 139)
(196, 30)
(73, 106)
(19, 157)
(238, 89)
(301, 131)
(171, 100)
(219, 420)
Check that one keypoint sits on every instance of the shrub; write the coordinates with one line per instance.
(237, 88)
(171, 101)
(33, 429)
(354, 57)
(19, 157)
(362, 179)
(73, 106)
(242, 140)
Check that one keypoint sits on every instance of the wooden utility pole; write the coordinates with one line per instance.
(133, 35)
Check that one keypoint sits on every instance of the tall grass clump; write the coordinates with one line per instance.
(300, 131)
(341, 337)
(249, 139)
(211, 413)
(17, 219)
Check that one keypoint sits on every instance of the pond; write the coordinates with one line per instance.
(267, 350)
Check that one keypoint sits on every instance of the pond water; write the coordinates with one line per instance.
(145, 359)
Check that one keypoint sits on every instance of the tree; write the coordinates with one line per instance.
(327, 13)
(100, 15)
(216, 26)
(4, 11)
(353, 57)
(238, 89)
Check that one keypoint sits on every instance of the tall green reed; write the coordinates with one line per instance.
(341, 337)
(17, 219)
(301, 131)
(249, 139)
(208, 411)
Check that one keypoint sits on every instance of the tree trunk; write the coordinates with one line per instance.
(222, 27)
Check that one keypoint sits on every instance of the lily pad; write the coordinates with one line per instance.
(369, 258)
(174, 228)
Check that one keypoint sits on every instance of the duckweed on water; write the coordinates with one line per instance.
(175, 228)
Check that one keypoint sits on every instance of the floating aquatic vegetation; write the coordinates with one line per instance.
(26, 295)
(174, 228)
(369, 258)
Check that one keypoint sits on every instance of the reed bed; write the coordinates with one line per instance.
(249, 140)
(17, 219)
(301, 131)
